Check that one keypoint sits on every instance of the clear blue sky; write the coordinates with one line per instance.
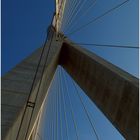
(70, 109)
(119, 27)
(24, 25)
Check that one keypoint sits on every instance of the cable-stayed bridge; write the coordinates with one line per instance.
(35, 86)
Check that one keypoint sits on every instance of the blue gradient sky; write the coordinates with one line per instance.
(24, 25)
(69, 102)
(120, 27)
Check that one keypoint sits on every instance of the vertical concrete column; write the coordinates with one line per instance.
(16, 87)
(113, 90)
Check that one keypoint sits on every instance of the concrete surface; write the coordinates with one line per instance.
(113, 90)
(16, 86)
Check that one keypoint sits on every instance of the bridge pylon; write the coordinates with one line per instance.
(24, 88)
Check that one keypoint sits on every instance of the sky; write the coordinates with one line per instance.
(24, 26)
(24, 29)
(64, 115)
(120, 27)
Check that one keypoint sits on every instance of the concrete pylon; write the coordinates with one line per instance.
(114, 91)
(16, 87)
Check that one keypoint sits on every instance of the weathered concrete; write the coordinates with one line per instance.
(16, 86)
(114, 91)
